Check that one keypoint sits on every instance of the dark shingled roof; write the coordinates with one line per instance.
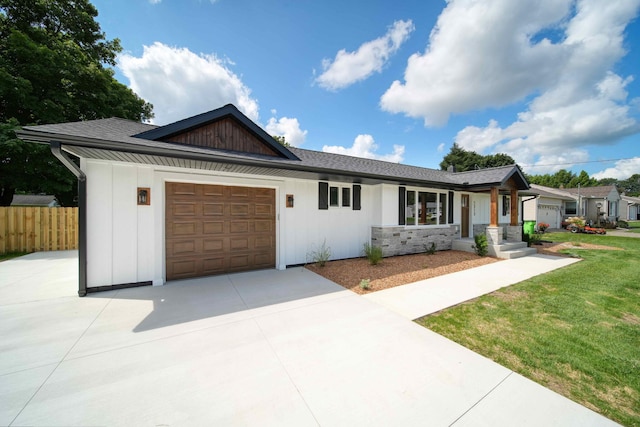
(125, 136)
(33, 200)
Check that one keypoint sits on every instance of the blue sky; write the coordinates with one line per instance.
(552, 83)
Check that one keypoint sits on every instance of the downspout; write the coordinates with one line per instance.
(56, 150)
(522, 207)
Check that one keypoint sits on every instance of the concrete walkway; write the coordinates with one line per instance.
(431, 295)
(281, 348)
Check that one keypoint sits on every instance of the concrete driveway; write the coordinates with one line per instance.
(285, 348)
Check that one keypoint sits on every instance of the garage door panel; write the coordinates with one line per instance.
(214, 265)
(239, 209)
(263, 242)
(239, 243)
(212, 229)
(264, 259)
(212, 209)
(184, 189)
(213, 245)
(241, 192)
(182, 268)
(263, 226)
(182, 228)
(239, 227)
(263, 209)
(184, 209)
(213, 190)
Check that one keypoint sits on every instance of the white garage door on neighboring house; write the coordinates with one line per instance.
(214, 229)
(549, 214)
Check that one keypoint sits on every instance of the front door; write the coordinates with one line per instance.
(464, 216)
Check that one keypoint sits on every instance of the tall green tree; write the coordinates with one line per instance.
(563, 178)
(54, 67)
(464, 160)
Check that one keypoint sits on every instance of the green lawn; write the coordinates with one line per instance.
(575, 330)
(634, 226)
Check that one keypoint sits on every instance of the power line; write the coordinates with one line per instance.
(576, 163)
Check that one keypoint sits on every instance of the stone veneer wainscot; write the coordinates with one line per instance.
(403, 240)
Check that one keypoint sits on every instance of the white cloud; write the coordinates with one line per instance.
(180, 83)
(287, 127)
(622, 170)
(154, 1)
(480, 54)
(350, 67)
(440, 148)
(365, 146)
(483, 55)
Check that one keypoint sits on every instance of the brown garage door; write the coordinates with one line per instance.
(214, 229)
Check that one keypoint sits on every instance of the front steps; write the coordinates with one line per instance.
(505, 250)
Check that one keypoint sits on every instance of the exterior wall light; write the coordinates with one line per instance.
(144, 196)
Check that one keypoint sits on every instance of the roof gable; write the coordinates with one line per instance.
(225, 129)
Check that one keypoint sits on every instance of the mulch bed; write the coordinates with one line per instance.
(397, 270)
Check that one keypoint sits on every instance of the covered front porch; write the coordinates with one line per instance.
(504, 240)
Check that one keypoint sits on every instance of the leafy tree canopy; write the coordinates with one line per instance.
(54, 62)
(563, 178)
(464, 160)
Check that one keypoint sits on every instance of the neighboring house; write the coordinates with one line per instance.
(553, 205)
(549, 205)
(597, 203)
(44, 200)
(215, 193)
(629, 208)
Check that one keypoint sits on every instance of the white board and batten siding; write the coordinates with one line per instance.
(121, 250)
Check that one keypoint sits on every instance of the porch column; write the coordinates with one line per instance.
(494, 207)
(514, 206)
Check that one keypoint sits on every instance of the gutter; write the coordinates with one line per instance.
(56, 150)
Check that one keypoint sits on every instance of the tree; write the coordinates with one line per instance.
(464, 160)
(563, 178)
(53, 68)
(281, 140)
(631, 185)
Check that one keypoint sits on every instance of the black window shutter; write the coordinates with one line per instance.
(450, 207)
(323, 195)
(356, 197)
(402, 194)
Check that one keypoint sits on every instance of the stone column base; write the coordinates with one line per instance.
(494, 235)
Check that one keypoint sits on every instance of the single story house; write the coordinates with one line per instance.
(214, 193)
(553, 205)
(548, 205)
(629, 208)
(42, 200)
(597, 203)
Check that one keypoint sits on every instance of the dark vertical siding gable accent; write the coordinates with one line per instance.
(402, 194)
(323, 195)
(356, 197)
(450, 219)
(225, 134)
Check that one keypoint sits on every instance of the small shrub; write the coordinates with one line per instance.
(481, 247)
(542, 227)
(430, 250)
(623, 224)
(321, 255)
(364, 284)
(534, 239)
(373, 253)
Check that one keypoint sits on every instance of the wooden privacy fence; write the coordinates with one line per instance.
(33, 229)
